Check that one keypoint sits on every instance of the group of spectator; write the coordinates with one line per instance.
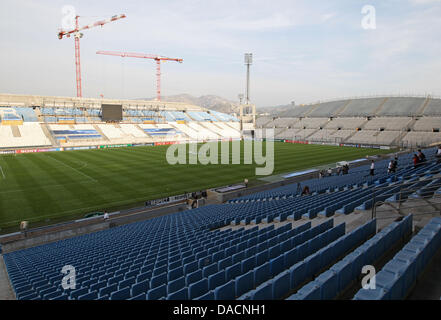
(340, 171)
(392, 167)
(419, 158)
(195, 196)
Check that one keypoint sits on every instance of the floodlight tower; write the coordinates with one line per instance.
(248, 63)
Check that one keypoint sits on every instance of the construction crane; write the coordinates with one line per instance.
(157, 58)
(77, 34)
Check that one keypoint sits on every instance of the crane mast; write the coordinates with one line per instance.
(77, 35)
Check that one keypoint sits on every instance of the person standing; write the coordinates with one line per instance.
(395, 165)
(372, 170)
(390, 167)
(438, 154)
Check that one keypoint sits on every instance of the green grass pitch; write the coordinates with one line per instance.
(45, 188)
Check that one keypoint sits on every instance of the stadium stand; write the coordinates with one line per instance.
(235, 251)
(60, 120)
(387, 121)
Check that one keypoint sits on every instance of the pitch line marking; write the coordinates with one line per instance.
(70, 167)
(3, 174)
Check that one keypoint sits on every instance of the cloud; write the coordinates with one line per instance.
(422, 2)
(303, 50)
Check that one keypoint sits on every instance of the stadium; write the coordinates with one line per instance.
(91, 208)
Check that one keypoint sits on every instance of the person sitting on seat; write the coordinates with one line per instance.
(305, 191)
(416, 161)
(421, 156)
(329, 172)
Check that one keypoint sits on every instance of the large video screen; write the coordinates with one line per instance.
(112, 112)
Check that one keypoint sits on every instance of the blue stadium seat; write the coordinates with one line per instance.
(157, 293)
(198, 289)
(140, 288)
(122, 294)
(226, 291)
(181, 294)
(244, 283)
(216, 280)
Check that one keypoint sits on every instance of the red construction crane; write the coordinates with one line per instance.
(77, 34)
(155, 57)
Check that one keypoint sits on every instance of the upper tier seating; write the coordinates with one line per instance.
(28, 114)
(298, 111)
(327, 109)
(282, 123)
(401, 106)
(361, 107)
(433, 108)
(262, 121)
(9, 114)
(201, 116)
(223, 116)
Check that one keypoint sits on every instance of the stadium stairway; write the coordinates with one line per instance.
(100, 132)
(49, 135)
(6, 292)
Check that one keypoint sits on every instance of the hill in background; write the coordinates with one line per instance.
(211, 102)
(220, 104)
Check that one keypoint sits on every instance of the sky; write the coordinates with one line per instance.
(303, 51)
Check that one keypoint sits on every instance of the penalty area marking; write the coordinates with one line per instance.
(70, 167)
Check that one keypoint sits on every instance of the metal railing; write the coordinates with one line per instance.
(418, 200)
